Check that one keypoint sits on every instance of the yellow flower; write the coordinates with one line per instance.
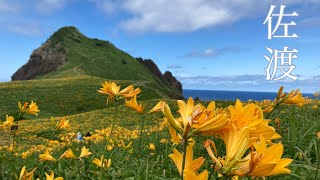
(103, 163)
(315, 107)
(68, 154)
(237, 143)
(318, 134)
(175, 138)
(51, 176)
(152, 148)
(33, 109)
(295, 97)
(24, 175)
(125, 147)
(202, 120)
(132, 103)
(24, 107)
(85, 152)
(264, 161)
(268, 109)
(63, 124)
(193, 165)
(164, 141)
(113, 90)
(158, 107)
(251, 117)
(188, 174)
(46, 156)
(8, 122)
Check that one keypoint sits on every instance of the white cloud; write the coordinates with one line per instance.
(28, 29)
(185, 15)
(212, 52)
(8, 7)
(50, 6)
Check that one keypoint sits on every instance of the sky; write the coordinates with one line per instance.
(206, 44)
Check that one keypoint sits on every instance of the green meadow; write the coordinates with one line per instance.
(77, 100)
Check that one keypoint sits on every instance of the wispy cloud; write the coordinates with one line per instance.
(49, 6)
(174, 66)
(211, 52)
(8, 7)
(185, 16)
(310, 22)
(28, 29)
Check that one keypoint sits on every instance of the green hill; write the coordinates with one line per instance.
(69, 53)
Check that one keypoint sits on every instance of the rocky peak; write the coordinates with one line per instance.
(45, 59)
(167, 77)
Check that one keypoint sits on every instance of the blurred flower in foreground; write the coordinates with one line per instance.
(24, 175)
(318, 135)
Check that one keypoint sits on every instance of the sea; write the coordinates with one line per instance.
(232, 95)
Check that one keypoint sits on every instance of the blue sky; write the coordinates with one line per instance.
(207, 44)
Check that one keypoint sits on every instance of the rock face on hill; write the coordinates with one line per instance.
(167, 77)
(42, 61)
(172, 81)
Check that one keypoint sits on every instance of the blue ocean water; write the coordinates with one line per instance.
(231, 95)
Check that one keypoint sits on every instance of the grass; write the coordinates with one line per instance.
(64, 96)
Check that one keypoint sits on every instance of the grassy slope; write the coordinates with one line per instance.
(63, 96)
(98, 58)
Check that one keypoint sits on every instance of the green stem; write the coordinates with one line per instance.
(110, 135)
(184, 149)
(277, 105)
(141, 131)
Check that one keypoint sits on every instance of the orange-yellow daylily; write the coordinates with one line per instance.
(295, 97)
(63, 124)
(33, 109)
(251, 117)
(236, 142)
(46, 156)
(152, 148)
(188, 174)
(113, 90)
(68, 154)
(133, 104)
(103, 163)
(264, 161)
(125, 147)
(24, 175)
(196, 119)
(190, 163)
(158, 107)
(8, 122)
(51, 176)
(175, 138)
(85, 152)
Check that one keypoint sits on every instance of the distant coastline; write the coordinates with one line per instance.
(231, 95)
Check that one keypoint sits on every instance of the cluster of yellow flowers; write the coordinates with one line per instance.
(241, 127)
